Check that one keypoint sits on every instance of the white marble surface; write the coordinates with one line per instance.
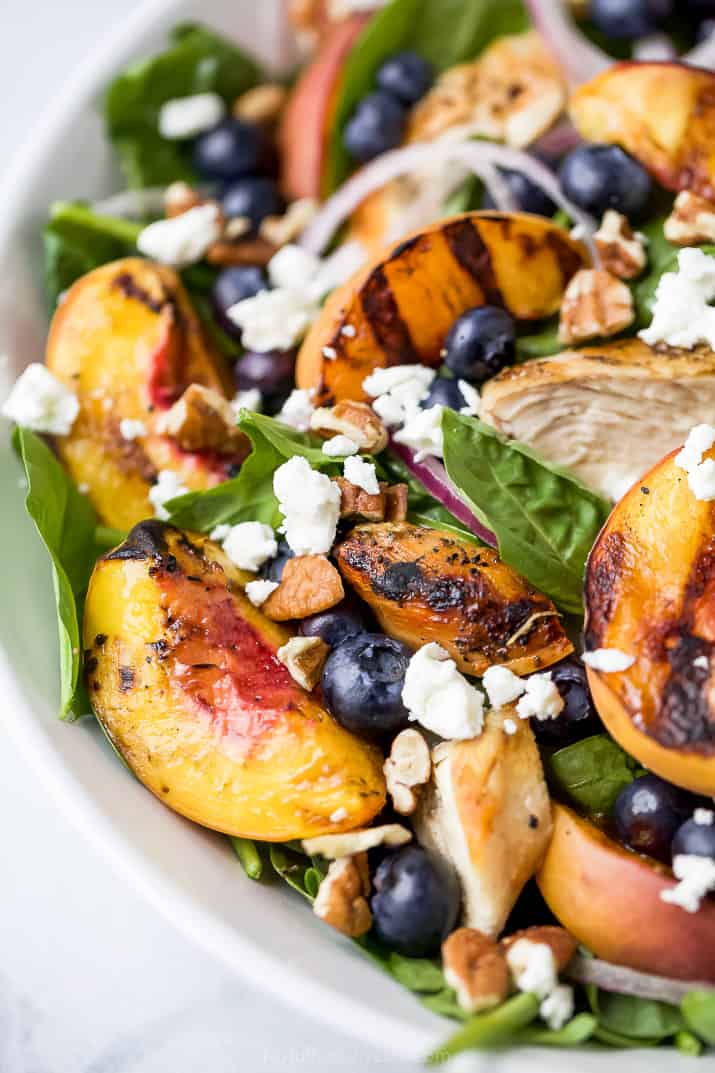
(91, 979)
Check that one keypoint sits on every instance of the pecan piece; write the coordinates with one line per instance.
(396, 502)
(595, 304)
(691, 221)
(561, 942)
(341, 900)
(179, 197)
(262, 104)
(310, 583)
(622, 252)
(407, 769)
(304, 657)
(476, 968)
(202, 420)
(359, 505)
(243, 251)
(354, 419)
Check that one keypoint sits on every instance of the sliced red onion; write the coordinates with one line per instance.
(481, 157)
(557, 142)
(624, 981)
(432, 474)
(576, 55)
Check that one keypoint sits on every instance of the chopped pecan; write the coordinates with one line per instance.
(561, 942)
(310, 583)
(286, 228)
(202, 420)
(262, 104)
(691, 221)
(242, 251)
(622, 252)
(341, 900)
(354, 419)
(396, 502)
(476, 968)
(407, 769)
(357, 504)
(344, 845)
(595, 304)
(304, 657)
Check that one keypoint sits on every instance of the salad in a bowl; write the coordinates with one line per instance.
(374, 453)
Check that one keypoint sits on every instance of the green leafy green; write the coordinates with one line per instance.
(445, 1004)
(488, 1030)
(66, 523)
(688, 1044)
(577, 1030)
(544, 519)
(539, 344)
(76, 240)
(422, 975)
(638, 1018)
(592, 773)
(197, 60)
(247, 852)
(698, 1009)
(444, 32)
(302, 873)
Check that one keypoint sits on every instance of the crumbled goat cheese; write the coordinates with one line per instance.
(220, 532)
(361, 473)
(439, 697)
(181, 240)
(510, 727)
(349, 331)
(398, 391)
(472, 399)
(273, 320)
(250, 399)
(310, 504)
(298, 409)
(696, 877)
(701, 474)
(702, 662)
(292, 268)
(704, 817)
(258, 591)
(682, 314)
(185, 117)
(340, 445)
(40, 401)
(533, 967)
(167, 487)
(330, 353)
(608, 660)
(541, 699)
(130, 429)
(423, 433)
(502, 685)
(557, 1008)
(249, 544)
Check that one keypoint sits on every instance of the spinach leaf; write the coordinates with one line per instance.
(445, 1004)
(302, 873)
(66, 523)
(197, 60)
(592, 773)
(698, 1009)
(545, 520)
(539, 344)
(444, 32)
(688, 1044)
(76, 240)
(577, 1030)
(486, 1031)
(422, 975)
(638, 1018)
(247, 852)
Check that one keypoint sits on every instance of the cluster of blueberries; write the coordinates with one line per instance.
(628, 20)
(656, 818)
(378, 122)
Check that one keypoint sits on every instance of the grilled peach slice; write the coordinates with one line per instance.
(650, 592)
(662, 113)
(127, 340)
(183, 675)
(426, 585)
(609, 899)
(400, 306)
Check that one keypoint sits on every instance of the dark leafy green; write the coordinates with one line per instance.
(486, 1031)
(577, 1030)
(591, 773)
(444, 32)
(698, 1009)
(197, 60)
(638, 1018)
(545, 520)
(422, 975)
(688, 1044)
(66, 523)
(302, 873)
(76, 240)
(247, 852)
(539, 344)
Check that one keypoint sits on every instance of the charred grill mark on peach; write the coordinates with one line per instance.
(472, 254)
(566, 257)
(603, 572)
(126, 679)
(383, 315)
(127, 284)
(146, 540)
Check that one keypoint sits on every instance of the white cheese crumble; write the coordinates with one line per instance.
(181, 240)
(704, 817)
(533, 967)
(298, 409)
(510, 727)
(339, 446)
(502, 686)
(702, 662)
(472, 399)
(423, 433)
(398, 391)
(361, 473)
(130, 429)
(440, 698)
(338, 815)
(557, 1008)
(682, 314)
(541, 699)
(259, 590)
(696, 877)
(349, 331)
(310, 504)
(40, 401)
(701, 474)
(330, 353)
(292, 268)
(250, 399)
(168, 486)
(248, 545)
(273, 320)
(185, 117)
(608, 660)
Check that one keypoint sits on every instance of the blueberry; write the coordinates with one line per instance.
(600, 177)
(271, 372)
(528, 197)
(416, 903)
(229, 150)
(706, 29)
(695, 839)
(376, 126)
(273, 569)
(647, 814)
(444, 392)
(345, 620)
(406, 76)
(480, 343)
(629, 19)
(253, 197)
(362, 683)
(578, 718)
(233, 285)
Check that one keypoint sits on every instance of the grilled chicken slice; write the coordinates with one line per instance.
(608, 412)
(427, 585)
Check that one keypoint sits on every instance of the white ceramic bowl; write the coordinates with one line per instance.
(191, 875)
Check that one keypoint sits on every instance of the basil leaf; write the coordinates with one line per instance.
(444, 32)
(445, 1004)
(577, 1030)
(293, 868)
(66, 523)
(698, 1009)
(197, 60)
(77, 240)
(247, 852)
(422, 975)
(638, 1018)
(592, 773)
(544, 519)
(488, 1030)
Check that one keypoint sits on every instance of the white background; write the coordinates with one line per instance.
(91, 979)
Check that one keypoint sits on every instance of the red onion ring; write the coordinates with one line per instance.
(624, 981)
(576, 55)
(557, 142)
